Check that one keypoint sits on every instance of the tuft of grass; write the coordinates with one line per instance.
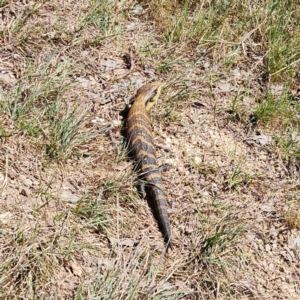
(277, 110)
(178, 26)
(238, 112)
(101, 15)
(280, 113)
(94, 212)
(219, 241)
(202, 168)
(30, 127)
(15, 107)
(238, 177)
(3, 132)
(284, 51)
(28, 265)
(289, 148)
(222, 231)
(291, 218)
(38, 107)
(63, 129)
(35, 90)
(134, 274)
(3, 3)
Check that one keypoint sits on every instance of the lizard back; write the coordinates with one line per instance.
(139, 134)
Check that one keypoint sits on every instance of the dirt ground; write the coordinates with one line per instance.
(72, 223)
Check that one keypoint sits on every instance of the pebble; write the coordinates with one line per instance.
(27, 182)
(68, 196)
(25, 192)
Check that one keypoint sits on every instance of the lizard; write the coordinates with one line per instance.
(140, 138)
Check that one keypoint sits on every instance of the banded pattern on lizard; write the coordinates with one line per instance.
(139, 134)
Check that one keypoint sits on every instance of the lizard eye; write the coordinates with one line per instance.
(151, 98)
(153, 94)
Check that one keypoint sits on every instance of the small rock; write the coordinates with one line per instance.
(98, 120)
(117, 123)
(130, 26)
(289, 257)
(127, 242)
(123, 242)
(276, 89)
(171, 161)
(168, 141)
(263, 139)
(137, 9)
(225, 87)
(266, 208)
(197, 160)
(237, 74)
(138, 81)
(27, 182)
(109, 63)
(206, 64)
(6, 78)
(2, 177)
(150, 71)
(295, 136)
(22, 177)
(296, 242)
(25, 192)
(68, 196)
(167, 285)
(77, 271)
(120, 72)
(85, 83)
(5, 217)
(263, 157)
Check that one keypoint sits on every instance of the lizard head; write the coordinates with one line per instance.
(149, 94)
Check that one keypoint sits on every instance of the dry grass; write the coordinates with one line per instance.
(72, 223)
